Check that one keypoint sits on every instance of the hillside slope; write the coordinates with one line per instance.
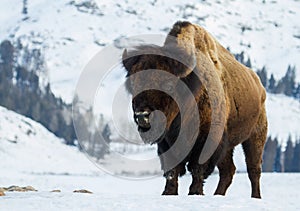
(71, 32)
(26, 147)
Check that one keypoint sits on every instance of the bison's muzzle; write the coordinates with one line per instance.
(142, 118)
(151, 125)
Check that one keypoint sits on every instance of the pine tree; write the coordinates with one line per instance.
(296, 158)
(277, 164)
(269, 155)
(248, 63)
(82, 132)
(25, 9)
(263, 76)
(106, 133)
(280, 87)
(7, 59)
(33, 82)
(272, 84)
(288, 155)
(289, 81)
(101, 148)
(240, 57)
(36, 111)
(297, 92)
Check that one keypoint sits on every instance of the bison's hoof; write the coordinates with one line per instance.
(256, 196)
(168, 193)
(196, 193)
(219, 193)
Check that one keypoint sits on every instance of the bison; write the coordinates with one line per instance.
(228, 96)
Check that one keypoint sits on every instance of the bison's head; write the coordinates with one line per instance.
(153, 75)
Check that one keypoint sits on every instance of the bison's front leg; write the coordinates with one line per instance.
(171, 176)
(196, 187)
(171, 187)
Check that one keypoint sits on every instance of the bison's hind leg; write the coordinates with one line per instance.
(226, 171)
(253, 148)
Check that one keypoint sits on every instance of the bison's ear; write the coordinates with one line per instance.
(129, 61)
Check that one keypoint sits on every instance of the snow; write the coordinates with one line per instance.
(70, 37)
(283, 117)
(39, 159)
(279, 192)
(31, 155)
(27, 147)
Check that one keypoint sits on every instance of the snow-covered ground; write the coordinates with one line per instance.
(279, 192)
(31, 155)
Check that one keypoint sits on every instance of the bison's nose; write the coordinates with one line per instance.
(142, 119)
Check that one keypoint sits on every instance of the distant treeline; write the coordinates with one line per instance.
(279, 159)
(287, 85)
(22, 91)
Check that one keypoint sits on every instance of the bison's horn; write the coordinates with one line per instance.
(129, 60)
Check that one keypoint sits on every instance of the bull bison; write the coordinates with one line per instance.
(228, 95)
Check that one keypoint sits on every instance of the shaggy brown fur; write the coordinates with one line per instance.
(228, 85)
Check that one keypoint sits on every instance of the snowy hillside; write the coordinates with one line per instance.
(71, 32)
(26, 147)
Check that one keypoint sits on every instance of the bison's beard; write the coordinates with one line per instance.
(156, 132)
(152, 138)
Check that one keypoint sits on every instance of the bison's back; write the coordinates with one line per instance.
(244, 93)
